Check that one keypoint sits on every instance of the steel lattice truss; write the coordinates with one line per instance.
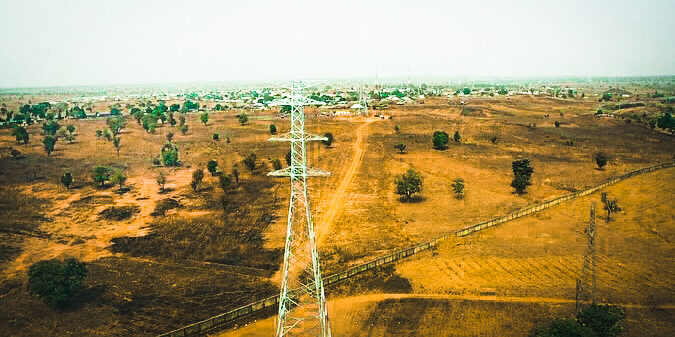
(302, 303)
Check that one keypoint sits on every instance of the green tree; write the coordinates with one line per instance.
(250, 161)
(400, 147)
(273, 129)
(522, 172)
(67, 179)
(216, 136)
(118, 178)
(170, 154)
(458, 188)
(51, 127)
(71, 128)
(56, 282)
(557, 124)
(102, 174)
(169, 136)
(610, 205)
(49, 142)
(243, 118)
(440, 140)
(21, 134)
(174, 107)
(666, 121)
(204, 117)
(408, 184)
(197, 177)
(183, 129)
(603, 319)
(466, 91)
(457, 137)
(181, 120)
(601, 160)
(329, 139)
(117, 143)
(212, 166)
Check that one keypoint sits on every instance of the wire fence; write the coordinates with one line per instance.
(233, 315)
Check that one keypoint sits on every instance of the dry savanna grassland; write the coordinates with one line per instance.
(167, 258)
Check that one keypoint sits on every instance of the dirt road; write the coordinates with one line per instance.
(323, 224)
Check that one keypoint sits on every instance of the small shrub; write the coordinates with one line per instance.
(216, 136)
(329, 139)
(197, 177)
(250, 161)
(273, 129)
(401, 147)
(457, 137)
(67, 180)
(557, 124)
(161, 180)
(458, 188)
(276, 164)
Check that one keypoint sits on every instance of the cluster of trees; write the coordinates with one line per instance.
(103, 174)
(595, 320)
(111, 133)
(57, 283)
(440, 139)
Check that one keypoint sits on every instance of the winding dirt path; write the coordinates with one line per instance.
(326, 220)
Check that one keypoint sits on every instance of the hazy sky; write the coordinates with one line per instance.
(58, 42)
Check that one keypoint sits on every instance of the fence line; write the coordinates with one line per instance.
(273, 301)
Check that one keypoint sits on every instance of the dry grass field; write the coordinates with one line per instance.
(151, 273)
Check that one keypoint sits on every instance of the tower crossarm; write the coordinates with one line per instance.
(288, 137)
(311, 172)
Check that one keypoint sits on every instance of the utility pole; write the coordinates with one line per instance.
(302, 303)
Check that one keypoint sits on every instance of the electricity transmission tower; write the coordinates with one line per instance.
(363, 102)
(302, 303)
(586, 282)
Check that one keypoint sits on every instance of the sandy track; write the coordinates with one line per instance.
(325, 221)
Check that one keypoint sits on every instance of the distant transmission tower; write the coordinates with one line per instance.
(363, 102)
(302, 303)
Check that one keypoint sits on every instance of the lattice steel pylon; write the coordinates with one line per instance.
(363, 102)
(302, 303)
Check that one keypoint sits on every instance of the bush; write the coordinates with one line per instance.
(458, 188)
(67, 179)
(56, 282)
(329, 139)
(183, 129)
(440, 140)
(400, 147)
(161, 180)
(273, 129)
(409, 183)
(216, 136)
(276, 164)
(493, 140)
(557, 124)
(250, 161)
(243, 118)
(603, 319)
(562, 327)
(197, 177)
(457, 137)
